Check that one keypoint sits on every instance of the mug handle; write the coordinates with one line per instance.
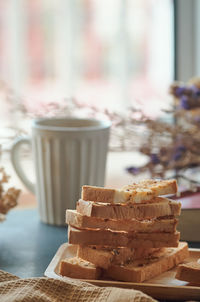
(15, 159)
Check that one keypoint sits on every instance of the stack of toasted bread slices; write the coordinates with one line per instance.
(127, 234)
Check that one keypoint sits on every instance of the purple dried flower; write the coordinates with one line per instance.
(179, 151)
(154, 158)
(181, 148)
(195, 90)
(177, 156)
(179, 91)
(185, 102)
(133, 170)
(197, 119)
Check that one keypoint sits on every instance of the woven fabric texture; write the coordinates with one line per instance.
(44, 289)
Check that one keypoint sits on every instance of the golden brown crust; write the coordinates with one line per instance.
(78, 268)
(138, 271)
(97, 194)
(189, 272)
(122, 239)
(80, 221)
(161, 207)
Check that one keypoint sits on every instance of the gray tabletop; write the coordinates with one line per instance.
(27, 245)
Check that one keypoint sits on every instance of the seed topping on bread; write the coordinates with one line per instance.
(141, 192)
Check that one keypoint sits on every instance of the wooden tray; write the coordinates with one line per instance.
(164, 286)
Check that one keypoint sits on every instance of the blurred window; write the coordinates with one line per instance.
(187, 42)
(110, 53)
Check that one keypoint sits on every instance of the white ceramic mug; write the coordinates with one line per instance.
(68, 153)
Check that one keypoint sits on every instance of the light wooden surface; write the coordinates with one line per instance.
(164, 286)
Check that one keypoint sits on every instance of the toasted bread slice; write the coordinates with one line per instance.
(144, 269)
(99, 257)
(80, 221)
(103, 256)
(78, 268)
(189, 272)
(122, 239)
(158, 187)
(161, 207)
(141, 192)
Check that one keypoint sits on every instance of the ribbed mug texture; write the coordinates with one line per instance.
(64, 161)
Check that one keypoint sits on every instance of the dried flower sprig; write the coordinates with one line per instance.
(8, 198)
(188, 96)
(174, 146)
(124, 133)
(170, 145)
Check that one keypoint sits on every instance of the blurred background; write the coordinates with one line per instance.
(109, 54)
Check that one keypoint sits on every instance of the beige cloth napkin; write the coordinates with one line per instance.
(44, 289)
